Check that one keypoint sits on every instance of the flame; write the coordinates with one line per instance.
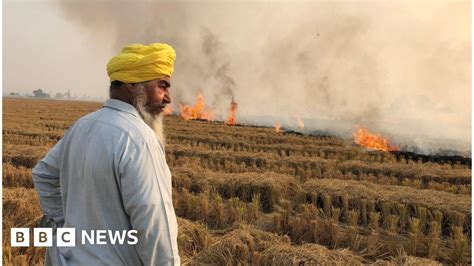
(168, 110)
(300, 122)
(232, 110)
(197, 111)
(364, 138)
(278, 128)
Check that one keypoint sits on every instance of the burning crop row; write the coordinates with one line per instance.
(198, 111)
(232, 111)
(201, 112)
(366, 139)
(362, 136)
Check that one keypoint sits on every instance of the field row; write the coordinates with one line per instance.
(416, 175)
(457, 174)
(216, 136)
(334, 228)
(316, 150)
(273, 187)
(423, 176)
(243, 243)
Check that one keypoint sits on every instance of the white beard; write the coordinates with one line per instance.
(155, 122)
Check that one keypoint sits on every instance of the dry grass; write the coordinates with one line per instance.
(437, 200)
(245, 195)
(20, 209)
(192, 239)
(247, 245)
(270, 188)
(16, 176)
(403, 259)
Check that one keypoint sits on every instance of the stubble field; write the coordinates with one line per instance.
(247, 195)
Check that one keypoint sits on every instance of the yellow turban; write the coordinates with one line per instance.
(138, 63)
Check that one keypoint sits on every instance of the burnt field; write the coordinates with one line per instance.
(247, 195)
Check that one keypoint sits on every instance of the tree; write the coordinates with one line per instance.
(59, 95)
(39, 93)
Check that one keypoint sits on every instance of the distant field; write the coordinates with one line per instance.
(247, 195)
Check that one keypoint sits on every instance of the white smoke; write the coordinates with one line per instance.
(401, 68)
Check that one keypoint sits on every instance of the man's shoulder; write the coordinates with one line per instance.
(113, 122)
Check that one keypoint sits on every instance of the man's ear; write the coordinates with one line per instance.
(129, 87)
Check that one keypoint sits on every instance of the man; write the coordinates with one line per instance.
(109, 171)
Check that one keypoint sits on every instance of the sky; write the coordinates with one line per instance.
(401, 68)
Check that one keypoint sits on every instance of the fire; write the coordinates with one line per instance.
(300, 122)
(278, 128)
(364, 138)
(198, 111)
(168, 110)
(232, 111)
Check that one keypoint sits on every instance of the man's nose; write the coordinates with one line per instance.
(167, 98)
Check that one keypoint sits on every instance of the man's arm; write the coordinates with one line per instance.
(147, 200)
(46, 180)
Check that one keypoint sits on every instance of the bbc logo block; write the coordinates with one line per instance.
(20, 237)
(43, 237)
(66, 237)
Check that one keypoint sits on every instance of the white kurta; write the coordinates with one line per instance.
(109, 172)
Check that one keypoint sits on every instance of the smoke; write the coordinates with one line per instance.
(401, 68)
(217, 66)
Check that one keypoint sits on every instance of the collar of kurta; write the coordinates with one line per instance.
(121, 106)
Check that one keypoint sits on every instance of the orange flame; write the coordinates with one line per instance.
(197, 111)
(364, 138)
(168, 110)
(232, 110)
(278, 128)
(300, 122)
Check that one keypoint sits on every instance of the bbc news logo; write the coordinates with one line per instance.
(66, 237)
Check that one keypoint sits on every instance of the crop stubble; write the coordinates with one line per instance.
(248, 195)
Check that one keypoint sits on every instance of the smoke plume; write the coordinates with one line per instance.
(401, 68)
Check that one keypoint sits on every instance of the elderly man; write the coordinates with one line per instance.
(109, 171)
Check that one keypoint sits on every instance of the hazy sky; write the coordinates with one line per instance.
(398, 67)
(43, 49)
